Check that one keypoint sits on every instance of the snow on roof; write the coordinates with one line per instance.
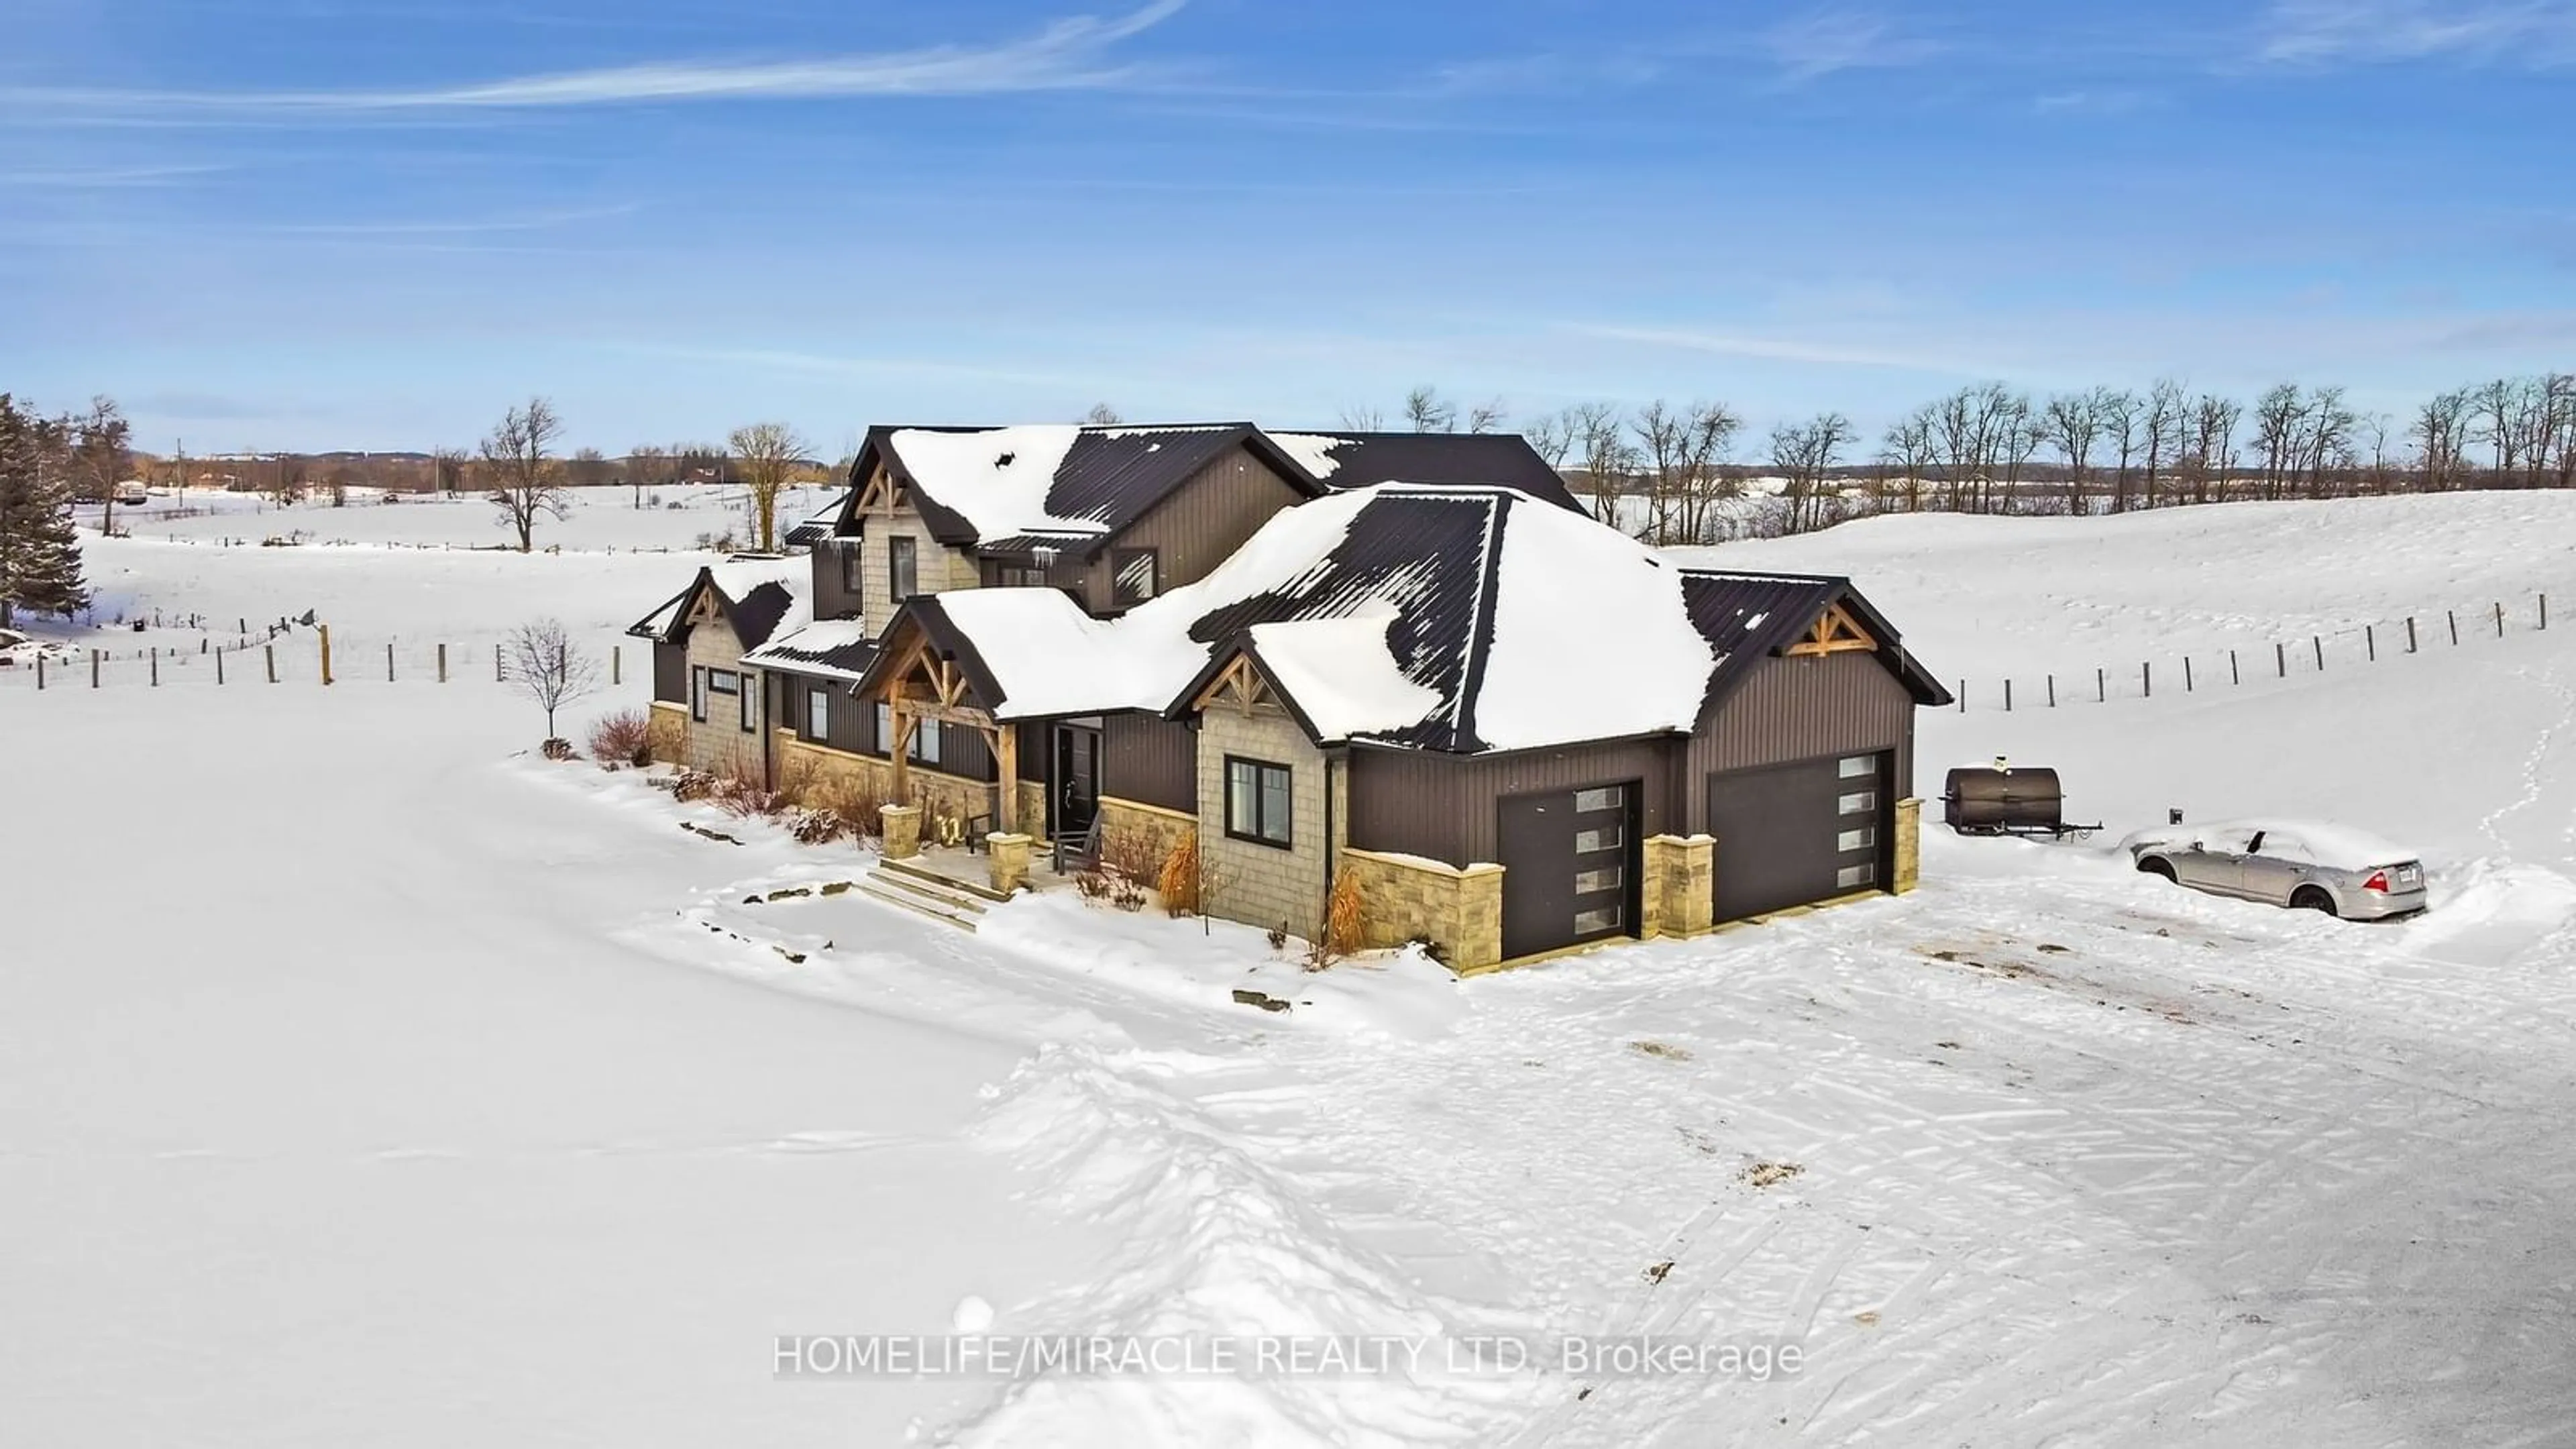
(1591, 638)
(1311, 451)
(997, 479)
(1047, 655)
(737, 578)
(835, 648)
(1342, 674)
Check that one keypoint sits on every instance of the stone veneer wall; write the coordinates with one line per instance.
(947, 802)
(1151, 831)
(666, 733)
(1263, 885)
(1406, 898)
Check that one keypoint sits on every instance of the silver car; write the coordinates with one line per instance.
(2301, 864)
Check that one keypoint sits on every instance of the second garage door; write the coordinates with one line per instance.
(1791, 835)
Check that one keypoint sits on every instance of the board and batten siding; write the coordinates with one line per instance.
(1803, 709)
(1198, 526)
(671, 672)
(1150, 760)
(833, 597)
(1447, 808)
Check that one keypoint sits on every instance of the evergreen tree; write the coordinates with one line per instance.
(40, 566)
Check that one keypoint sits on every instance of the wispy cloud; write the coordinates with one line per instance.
(2116, 101)
(1823, 42)
(2326, 32)
(1786, 349)
(1069, 54)
(107, 178)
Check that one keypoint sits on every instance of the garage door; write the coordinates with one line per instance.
(1789, 835)
(1569, 867)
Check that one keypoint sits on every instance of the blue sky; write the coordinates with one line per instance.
(344, 223)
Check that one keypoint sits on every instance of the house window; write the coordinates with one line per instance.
(853, 580)
(1608, 837)
(1858, 767)
(1256, 802)
(1132, 575)
(1861, 839)
(1852, 877)
(1594, 882)
(1859, 802)
(698, 693)
(1594, 922)
(750, 692)
(818, 715)
(1019, 576)
(903, 567)
(1610, 798)
(923, 748)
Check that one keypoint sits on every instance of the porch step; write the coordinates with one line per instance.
(911, 873)
(918, 906)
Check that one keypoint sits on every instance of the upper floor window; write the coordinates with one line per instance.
(903, 567)
(852, 581)
(1019, 576)
(1132, 575)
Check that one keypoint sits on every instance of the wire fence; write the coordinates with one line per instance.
(296, 655)
(2279, 659)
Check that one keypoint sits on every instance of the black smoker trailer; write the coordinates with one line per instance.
(1998, 801)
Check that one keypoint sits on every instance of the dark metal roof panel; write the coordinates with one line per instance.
(1503, 459)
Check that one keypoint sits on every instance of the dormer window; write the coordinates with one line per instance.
(1134, 575)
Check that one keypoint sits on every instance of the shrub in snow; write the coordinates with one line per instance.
(691, 785)
(1133, 854)
(557, 749)
(816, 827)
(1345, 916)
(1179, 878)
(1093, 885)
(1125, 892)
(547, 667)
(858, 808)
(621, 738)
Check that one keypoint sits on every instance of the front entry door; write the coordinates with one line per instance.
(1074, 786)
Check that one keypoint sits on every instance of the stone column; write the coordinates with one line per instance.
(1908, 854)
(1009, 855)
(902, 830)
(1479, 946)
(1688, 883)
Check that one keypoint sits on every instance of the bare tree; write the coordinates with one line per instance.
(1102, 415)
(101, 455)
(447, 470)
(1908, 453)
(2441, 434)
(1426, 411)
(2071, 424)
(1363, 419)
(1552, 436)
(1487, 417)
(2167, 417)
(1609, 461)
(646, 463)
(1806, 455)
(521, 470)
(2121, 414)
(770, 453)
(549, 668)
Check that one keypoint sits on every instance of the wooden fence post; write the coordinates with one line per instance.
(2234, 675)
(2410, 633)
(2147, 679)
(2320, 641)
(2052, 691)
(2007, 695)
(616, 665)
(2186, 674)
(40, 673)
(271, 651)
(156, 666)
(2370, 641)
(2281, 658)
(219, 666)
(2544, 611)
(93, 669)
(497, 677)
(2499, 620)
(2455, 626)
(1963, 696)
(2101, 687)
(326, 654)
(442, 664)
(389, 664)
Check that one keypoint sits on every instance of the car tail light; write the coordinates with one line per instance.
(2378, 882)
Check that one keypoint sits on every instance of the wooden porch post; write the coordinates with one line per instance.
(1006, 755)
(899, 747)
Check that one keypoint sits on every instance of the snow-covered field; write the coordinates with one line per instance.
(363, 1079)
